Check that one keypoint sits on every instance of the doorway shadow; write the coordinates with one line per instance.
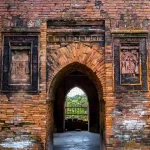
(73, 75)
(81, 80)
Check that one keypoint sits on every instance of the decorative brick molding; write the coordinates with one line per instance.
(77, 38)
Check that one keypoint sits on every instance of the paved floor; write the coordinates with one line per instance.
(80, 140)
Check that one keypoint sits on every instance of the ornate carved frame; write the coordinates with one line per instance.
(141, 39)
(32, 86)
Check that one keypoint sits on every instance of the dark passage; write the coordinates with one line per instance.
(70, 81)
(72, 132)
(83, 140)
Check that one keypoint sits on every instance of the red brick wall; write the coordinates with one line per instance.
(130, 11)
(121, 109)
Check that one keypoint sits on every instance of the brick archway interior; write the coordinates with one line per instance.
(60, 85)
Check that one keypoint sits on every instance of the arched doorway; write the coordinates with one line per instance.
(75, 74)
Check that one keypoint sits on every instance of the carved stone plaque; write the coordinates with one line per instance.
(20, 63)
(130, 63)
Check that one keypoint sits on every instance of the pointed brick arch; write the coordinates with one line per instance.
(89, 55)
(62, 60)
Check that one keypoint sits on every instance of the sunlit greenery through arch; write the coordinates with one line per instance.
(76, 106)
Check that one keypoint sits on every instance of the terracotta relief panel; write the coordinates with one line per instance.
(130, 64)
(131, 71)
(20, 63)
(19, 67)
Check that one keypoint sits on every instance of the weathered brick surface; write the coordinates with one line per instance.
(127, 113)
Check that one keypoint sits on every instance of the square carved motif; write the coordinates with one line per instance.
(20, 63)
(130, 63)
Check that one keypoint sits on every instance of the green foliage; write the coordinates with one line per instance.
(77, 101)
(77, 107)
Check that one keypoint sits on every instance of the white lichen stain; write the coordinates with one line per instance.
(133, 124)
(10, 143)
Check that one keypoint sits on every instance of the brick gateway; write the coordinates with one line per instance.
(108, 42)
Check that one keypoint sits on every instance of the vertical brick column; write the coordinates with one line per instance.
(42, 58)
(102, 125)
(109, 97)
(50, 124)
(42, 78)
